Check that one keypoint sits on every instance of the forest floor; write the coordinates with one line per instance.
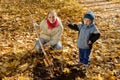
(19, 60)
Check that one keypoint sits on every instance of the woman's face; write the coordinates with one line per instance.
(87, 21)
(52, 17)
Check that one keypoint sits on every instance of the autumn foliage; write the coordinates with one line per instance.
(19, 61)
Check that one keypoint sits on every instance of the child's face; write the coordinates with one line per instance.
(51, 17)
(87, 21)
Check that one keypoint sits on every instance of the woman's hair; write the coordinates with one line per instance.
(52, 12)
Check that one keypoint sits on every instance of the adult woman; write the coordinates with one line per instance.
(51, 28)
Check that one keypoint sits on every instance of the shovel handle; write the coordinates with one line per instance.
(46, 61)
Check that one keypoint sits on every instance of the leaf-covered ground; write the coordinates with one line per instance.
(19, 61)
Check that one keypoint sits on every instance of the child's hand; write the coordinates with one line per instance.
(68, 22)
(89, 42)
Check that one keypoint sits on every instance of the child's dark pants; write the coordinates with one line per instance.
(84, 55)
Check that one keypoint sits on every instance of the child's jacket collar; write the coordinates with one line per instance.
(91, 25)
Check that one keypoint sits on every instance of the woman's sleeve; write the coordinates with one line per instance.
(42, 23)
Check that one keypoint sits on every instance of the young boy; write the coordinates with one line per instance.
(87, 35)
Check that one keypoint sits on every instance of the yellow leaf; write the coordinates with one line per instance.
(99, 77)
(23, 67)
(66, 70)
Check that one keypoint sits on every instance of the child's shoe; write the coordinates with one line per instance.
(84, 66)
(79, 64)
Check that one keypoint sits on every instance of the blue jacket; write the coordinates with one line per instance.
(85, 34)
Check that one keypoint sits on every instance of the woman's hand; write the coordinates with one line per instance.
(33, 21)
(46, 44)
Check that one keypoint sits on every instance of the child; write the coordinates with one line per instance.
(87, 35)
(51, 28)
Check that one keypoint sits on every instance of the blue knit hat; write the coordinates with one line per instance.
(90, 15)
